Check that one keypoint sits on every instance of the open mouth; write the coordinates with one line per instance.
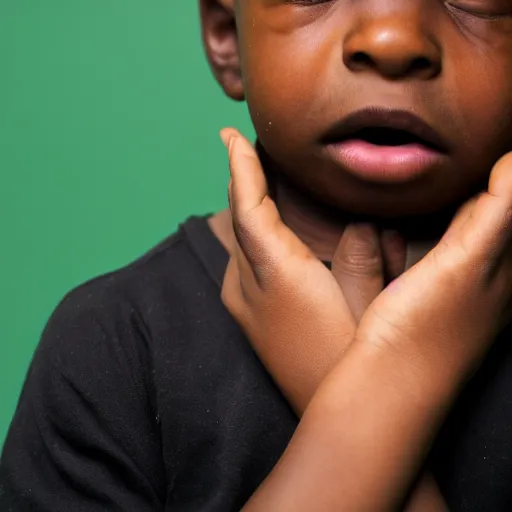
(385, 128)
(380, 136)
(385, 145)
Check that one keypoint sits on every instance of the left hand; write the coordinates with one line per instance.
(279, 291)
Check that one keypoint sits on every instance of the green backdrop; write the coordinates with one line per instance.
(108, 139)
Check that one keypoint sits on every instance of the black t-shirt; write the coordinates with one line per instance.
(143, 394)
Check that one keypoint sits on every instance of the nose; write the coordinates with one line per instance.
(394, 46)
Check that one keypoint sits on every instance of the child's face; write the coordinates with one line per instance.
(308, 64)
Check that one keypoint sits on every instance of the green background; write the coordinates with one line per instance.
(109, 121)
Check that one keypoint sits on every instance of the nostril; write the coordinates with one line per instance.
(361, 58)
(421, 64)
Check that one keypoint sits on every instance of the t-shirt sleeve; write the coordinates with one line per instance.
(85, 434)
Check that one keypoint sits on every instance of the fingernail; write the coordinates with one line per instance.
(360, 239)
(368, 231)
(226, 138)
(365, 233)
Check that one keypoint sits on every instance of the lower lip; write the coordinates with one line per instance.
(388, 164)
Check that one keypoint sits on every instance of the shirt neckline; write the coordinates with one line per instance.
(207, 247)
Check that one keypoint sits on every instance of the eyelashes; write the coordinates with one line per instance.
(308, 2)
(486, 9)
(491, 10)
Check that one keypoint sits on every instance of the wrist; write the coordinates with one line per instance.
(394, 387)
(432, 369)
(372, 421)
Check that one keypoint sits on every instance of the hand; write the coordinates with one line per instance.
(288, 303)
(296, 362)
(447, 309)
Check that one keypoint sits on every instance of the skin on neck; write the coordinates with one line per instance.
(319, 226)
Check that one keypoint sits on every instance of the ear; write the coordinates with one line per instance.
(221, 45)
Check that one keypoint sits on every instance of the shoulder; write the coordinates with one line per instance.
(100, 348)
(131, 293)
(88, 411)
(113, 318)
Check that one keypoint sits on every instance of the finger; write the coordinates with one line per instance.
(488, 230)
(394, 253)
(451, 239)
(500, 180)
(459, 220)
(357, 266)
(248, 182)
(463, 213)
(258, 227)
(247, 194)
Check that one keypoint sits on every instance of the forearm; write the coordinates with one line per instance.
(363, 438)
(425, 496)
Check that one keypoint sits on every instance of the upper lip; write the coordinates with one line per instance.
(374, 117)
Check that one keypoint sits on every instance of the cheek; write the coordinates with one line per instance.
(478, 82)
(486, 103)
(286, 77)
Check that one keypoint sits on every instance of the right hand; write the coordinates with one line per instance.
(446, 310)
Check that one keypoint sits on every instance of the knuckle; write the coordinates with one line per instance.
(246, 235)
(359, 263)
(247, 228)
(269, 274)
(261, 251)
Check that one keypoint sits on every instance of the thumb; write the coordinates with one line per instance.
(252, 210)
(259, 229)
(357, 266)
(248, 186)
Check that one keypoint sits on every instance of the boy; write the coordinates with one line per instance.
(373, 118)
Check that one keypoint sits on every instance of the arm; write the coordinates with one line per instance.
(364, 435)
(82, 438)
(363, 438)
(288, 359)
(299, 361)
(425, 495)
(373, 419)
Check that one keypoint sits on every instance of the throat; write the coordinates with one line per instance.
(321, 227)
(317, 226)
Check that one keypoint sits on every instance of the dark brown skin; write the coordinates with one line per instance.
(297, 64)
(298, 364)
(366, 431)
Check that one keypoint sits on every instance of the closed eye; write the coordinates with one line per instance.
(308, 2)
(485, 9)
